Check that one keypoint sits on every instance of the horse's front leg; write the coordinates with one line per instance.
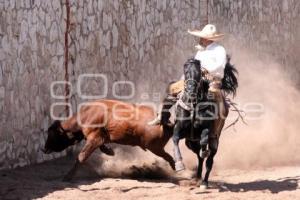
(179, 166)
(195, 147)
(93, 142)
(213, 146)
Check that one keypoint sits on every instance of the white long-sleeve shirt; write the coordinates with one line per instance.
(213, 59)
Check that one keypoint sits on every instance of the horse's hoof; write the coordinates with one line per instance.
(179, 166)
(203, 186)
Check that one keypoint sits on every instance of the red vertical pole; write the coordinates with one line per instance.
(204, 12)
(66, 55)
(207, 4)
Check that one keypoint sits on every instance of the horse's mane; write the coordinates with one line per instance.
(229, 81)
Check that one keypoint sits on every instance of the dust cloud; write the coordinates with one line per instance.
(130, 162)
(271, 137)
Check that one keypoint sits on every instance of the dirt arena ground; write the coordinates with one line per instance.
(151, 181)
(261, 160)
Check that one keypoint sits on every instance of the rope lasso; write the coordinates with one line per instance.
(236, 109)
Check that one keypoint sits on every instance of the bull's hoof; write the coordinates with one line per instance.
(179, 166)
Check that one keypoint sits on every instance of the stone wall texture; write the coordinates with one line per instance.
(266, 27)
(129, 40)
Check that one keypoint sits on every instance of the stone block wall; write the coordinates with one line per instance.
(31, 57)
(141, 41)
(129, 40)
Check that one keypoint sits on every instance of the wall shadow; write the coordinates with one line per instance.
(37, 181)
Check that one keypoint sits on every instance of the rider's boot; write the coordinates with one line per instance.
(163, 114)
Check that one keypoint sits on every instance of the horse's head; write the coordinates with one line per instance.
(57, 139)
(192, 74)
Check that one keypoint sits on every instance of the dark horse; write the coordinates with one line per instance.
(197, 116)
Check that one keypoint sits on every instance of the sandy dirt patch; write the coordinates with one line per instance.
(146, 181)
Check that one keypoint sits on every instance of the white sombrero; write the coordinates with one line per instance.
(209, 32)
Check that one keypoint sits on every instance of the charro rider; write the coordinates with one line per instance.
(212, 57)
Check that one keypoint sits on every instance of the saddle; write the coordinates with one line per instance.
(175, 88)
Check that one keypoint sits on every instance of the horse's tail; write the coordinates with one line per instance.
(230, 82)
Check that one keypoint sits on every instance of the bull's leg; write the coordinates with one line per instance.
(93, 142)
(71, 173)
(166, 156)
(213, 145)
(179, 166)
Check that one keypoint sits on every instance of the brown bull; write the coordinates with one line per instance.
(109, 121)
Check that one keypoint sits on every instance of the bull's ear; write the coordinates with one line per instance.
(54, 125)
(70, 135)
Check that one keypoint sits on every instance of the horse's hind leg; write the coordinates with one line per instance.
(93, 142)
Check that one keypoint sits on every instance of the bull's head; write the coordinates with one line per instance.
(57, 139)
